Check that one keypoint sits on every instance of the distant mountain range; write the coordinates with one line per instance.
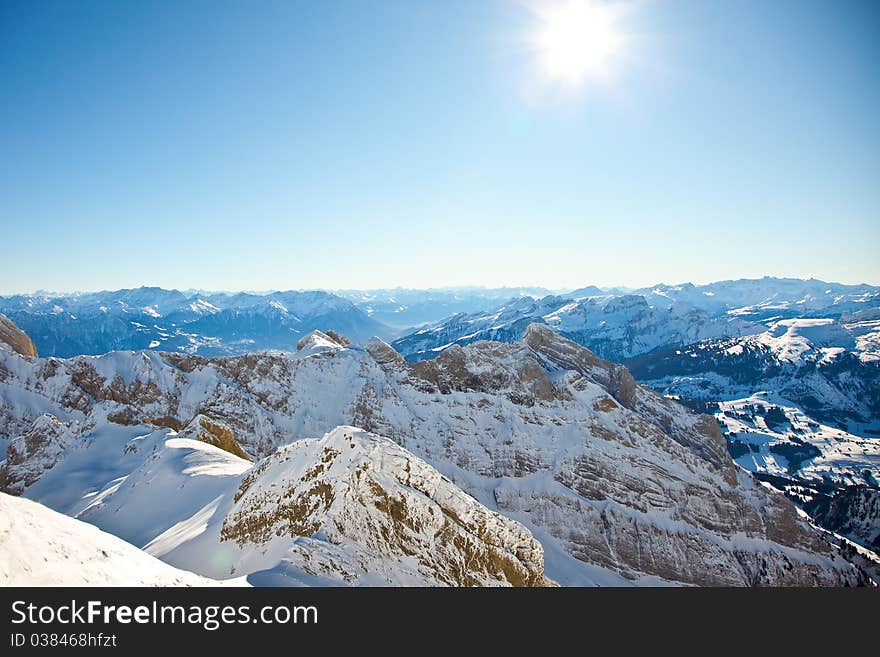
(403, 309)
(168, 320)
(619, 325)
(615, 323)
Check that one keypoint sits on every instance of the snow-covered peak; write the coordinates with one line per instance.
(318, 341)
(564, 353)
(396, 517)
(202, 307)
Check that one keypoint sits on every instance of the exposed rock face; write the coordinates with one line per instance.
(320, 340)
(31, 455)
(702, 435)
(215, 433)
(384, 353)
(15, 338)
(606, 472)
(338, 338)
(485, 367)
(384, 507)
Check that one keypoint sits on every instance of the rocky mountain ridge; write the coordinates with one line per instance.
(618, 483)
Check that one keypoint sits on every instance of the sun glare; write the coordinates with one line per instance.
(577, 39)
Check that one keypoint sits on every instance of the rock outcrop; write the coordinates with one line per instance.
(387, 513)
(15, 338)
(318, 340)
(31, 455)
(207, 430)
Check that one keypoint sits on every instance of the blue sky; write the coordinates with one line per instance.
(258, 145)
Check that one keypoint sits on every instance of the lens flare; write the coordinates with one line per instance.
(577, 39)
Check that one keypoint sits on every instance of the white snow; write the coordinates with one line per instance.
(41, 547)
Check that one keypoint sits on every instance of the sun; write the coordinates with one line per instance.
(577, 39)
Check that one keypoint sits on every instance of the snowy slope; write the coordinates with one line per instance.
(826, 367)
(348, 509)
(619, 484)
(780, 440)
(41, 547)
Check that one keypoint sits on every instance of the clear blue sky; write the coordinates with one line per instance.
(257, 145)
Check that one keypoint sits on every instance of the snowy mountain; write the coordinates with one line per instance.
(169, 320)
(618, 484)
(348, 509)
(799, 403)
(767, 298)
(619, 325)
(829, 368)
(614, 323)
(403, 308)
(614, 327)
(725, 343)
(364, 510)
(41, 547)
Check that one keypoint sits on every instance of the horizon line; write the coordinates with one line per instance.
(434, 288)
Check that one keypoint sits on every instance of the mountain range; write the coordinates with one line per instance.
(721, 434)
(170, 320)
(551, 465)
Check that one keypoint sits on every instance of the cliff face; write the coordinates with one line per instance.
(15, 338)
(214, 433)
(34, 453)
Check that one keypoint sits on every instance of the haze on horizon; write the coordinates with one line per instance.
(353, 145)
